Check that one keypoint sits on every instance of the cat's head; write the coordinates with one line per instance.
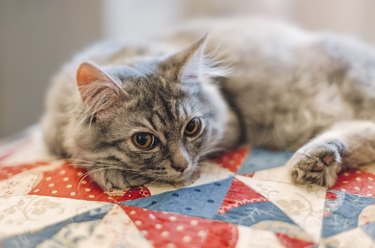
(154, 119)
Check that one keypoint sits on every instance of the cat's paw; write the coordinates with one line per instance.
(112, 179)
(188, 181)
(317, 163)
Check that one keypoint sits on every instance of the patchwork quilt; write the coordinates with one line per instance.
(244, 198)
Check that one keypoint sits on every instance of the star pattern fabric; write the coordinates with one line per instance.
(244, 198)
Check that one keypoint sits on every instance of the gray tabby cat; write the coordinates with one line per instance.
(138, 113)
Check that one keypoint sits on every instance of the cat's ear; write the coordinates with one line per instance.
(187, 65)
(99, 92)
(193, 62)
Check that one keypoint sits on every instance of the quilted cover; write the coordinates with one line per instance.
(242, 199)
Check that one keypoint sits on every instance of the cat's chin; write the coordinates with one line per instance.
(186, 179)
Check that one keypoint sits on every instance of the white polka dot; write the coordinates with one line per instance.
(48, 178)
(346, 174)
(170, 245)
(370, 178)
(144, 232)
(165, 234)
(69, 186)
(356, 188)
(79, 174)
(201, 233)
(132, 212)
(54, 191)
(73, 193)
(194, 222)
(65, 179)
(152, 217)
(87, 189)
(83, 182)
(370, 187)
(186, 239)
(51, 185)
(172, 218)
(369, 194)
(343, 190)
(158, 226)
(138, 222)
(358, 172)
(358, 179)
(36, 190)
(345, 182)
(180, 228)
(62, 172)
(91, 196)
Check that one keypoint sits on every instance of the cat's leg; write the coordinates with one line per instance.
(345, 145)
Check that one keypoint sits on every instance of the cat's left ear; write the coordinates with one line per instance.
(98, 90)
(187, 66)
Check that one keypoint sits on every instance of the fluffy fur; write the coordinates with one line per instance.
(288, 89)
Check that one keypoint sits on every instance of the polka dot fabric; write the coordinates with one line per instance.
(70, 182)
(165, 229)
(356, 182)
(243, 198)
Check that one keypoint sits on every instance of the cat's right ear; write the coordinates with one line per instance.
(99, 92)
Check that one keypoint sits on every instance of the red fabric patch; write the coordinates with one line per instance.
(239, 194)
(70, 182)
(233, 160)
(293, 242)
(167, 229)
(9, 171)
(221, 235)
(356, 182)
(331, 196)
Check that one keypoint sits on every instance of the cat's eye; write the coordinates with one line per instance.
(193, 128)
(144, 141)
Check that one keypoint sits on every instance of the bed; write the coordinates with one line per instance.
(244, 198)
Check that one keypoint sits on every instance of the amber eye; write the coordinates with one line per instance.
(193, 127)
(144, 141)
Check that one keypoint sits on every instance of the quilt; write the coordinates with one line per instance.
(243, 198)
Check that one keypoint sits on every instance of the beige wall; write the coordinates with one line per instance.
(37, 36)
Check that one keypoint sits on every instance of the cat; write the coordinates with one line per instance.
(138, 112)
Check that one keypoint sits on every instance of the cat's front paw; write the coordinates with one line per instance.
(317, 163)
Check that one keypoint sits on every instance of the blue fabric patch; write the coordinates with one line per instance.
(201, 201)
(369, 229)
(260, 159)
(343, 212)
(250, 214)
(35, 238)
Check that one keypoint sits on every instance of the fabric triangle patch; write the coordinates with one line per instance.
(233, 160)
(33, 239)
(260, 159)
(239, 194)
(68, 181)
(165, 229)
(203, 200)
(345, 211)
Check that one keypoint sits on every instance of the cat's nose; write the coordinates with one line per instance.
(180, 167)
(180, 160)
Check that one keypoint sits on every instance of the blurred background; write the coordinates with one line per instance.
(37, 37)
